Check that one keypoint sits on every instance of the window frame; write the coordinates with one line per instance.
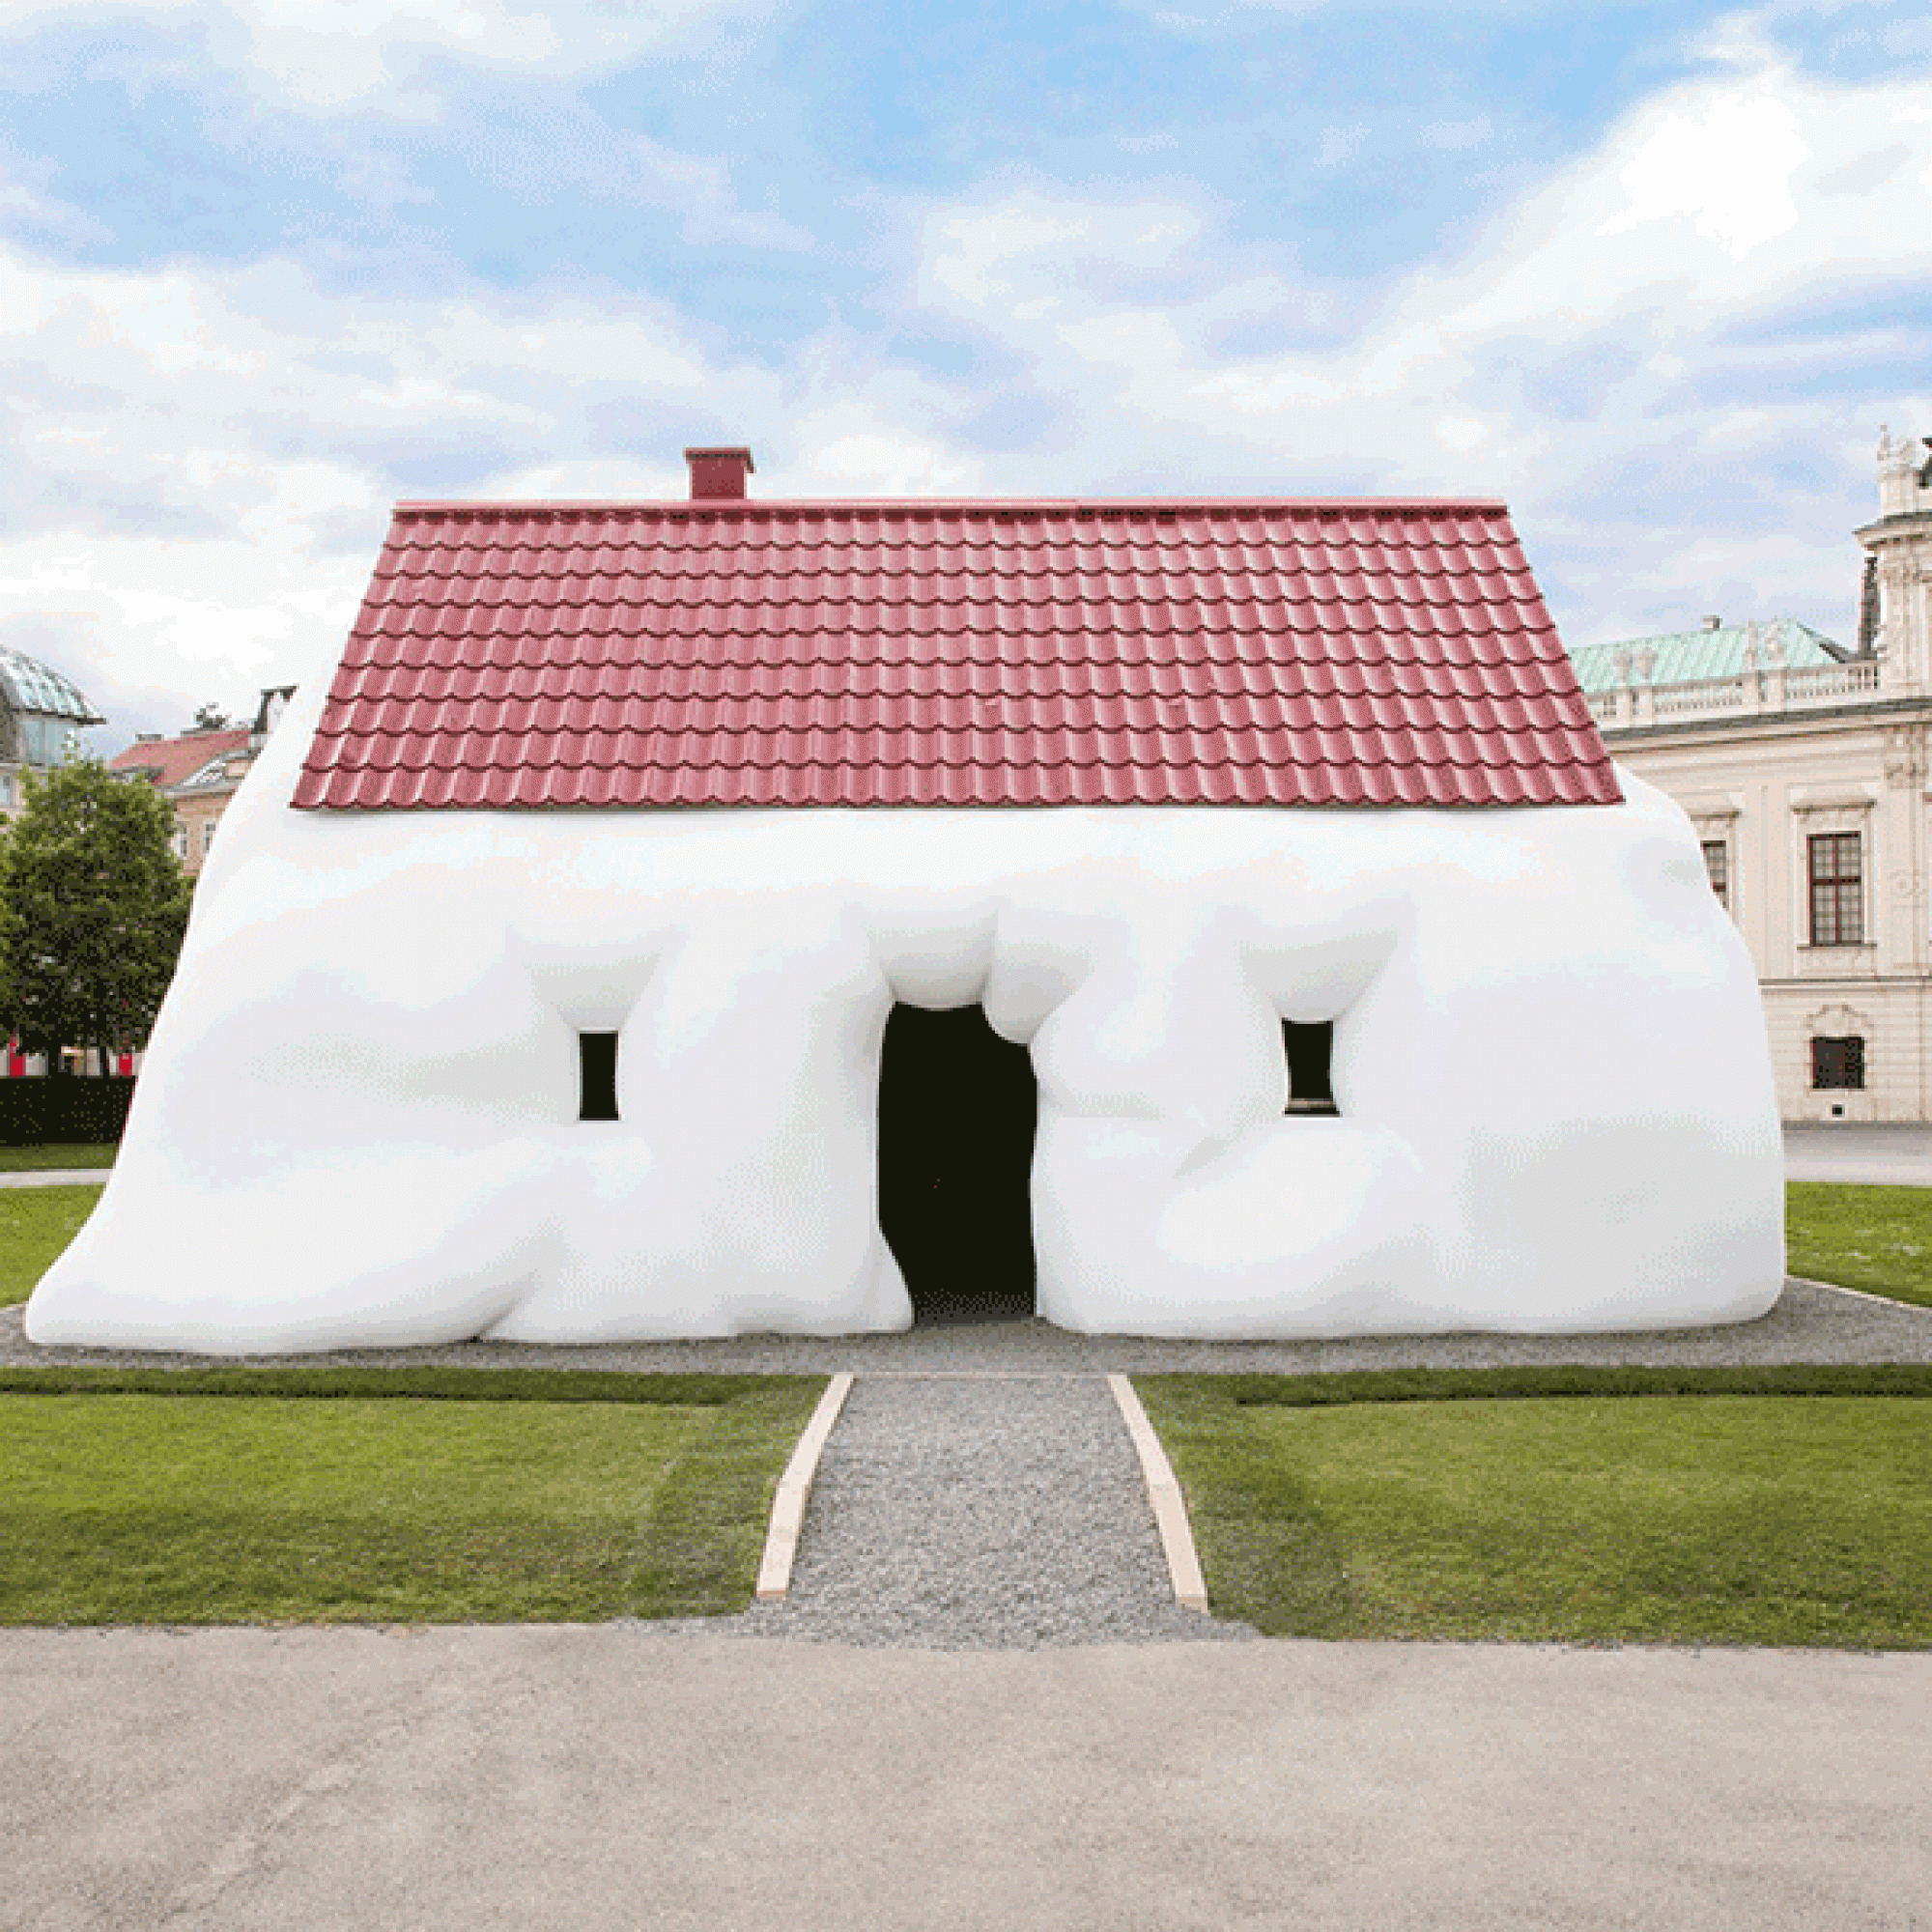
(1832, 893)
(1849, 1075)
(1718, 876)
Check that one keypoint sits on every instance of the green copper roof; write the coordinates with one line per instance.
(1690, 657)
(28, 685)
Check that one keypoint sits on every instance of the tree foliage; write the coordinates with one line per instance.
(93, 907)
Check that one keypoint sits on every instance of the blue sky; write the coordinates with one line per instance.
(1653, 273)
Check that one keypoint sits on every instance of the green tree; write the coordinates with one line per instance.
(92, 907)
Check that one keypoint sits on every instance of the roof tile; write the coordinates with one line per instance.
(1282, 653)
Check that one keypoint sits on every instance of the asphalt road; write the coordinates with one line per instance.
(1880, 1157)
(618, 1776)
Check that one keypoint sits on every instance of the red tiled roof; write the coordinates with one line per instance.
(929, 653)
(170, 760)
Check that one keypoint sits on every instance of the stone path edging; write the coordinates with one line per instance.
(794, 1491)
(1164, 1497)
(1170, 1506)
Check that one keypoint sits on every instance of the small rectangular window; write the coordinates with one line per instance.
(1310, 1050)
(1717, 869)
(1837, 888)
(597, 1076)
(1838, 1062)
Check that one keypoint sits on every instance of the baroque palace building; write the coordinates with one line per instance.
(1803, 765)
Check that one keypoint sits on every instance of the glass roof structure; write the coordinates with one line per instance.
(28, 685)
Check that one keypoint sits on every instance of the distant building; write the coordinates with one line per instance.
(1803, 764)
(40, 715)
(199, 773)
(41, 718)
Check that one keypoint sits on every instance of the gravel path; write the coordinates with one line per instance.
(979, 1512)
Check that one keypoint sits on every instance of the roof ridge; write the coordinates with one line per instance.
(1013, 507)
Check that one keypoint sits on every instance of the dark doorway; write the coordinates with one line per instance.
(957, 1106)
(1309, 1048)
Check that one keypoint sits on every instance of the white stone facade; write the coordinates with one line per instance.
(1768, 762)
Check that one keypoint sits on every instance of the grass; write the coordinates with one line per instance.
(1721, 1517)
(1532, 1504)
(35, 1226)
(1877, 1239)
(448, 1498)
(76, 1155)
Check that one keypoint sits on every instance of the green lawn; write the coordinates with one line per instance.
(139, 1508)
(1877, 1239)
(1669, 1519)
(33, 1159)
(35, 1226)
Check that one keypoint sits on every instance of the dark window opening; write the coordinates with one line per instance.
(957, 1109)
(1310, 1050)
(597, 1076)
(1839, 1062)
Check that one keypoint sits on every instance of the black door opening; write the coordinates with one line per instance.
(957, 1108)
(1309, 1048)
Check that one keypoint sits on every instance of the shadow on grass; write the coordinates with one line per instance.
(1788, 1506)
(289, 1495)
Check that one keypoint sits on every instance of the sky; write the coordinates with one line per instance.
(1653, 275)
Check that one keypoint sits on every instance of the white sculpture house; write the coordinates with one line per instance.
(722, 916)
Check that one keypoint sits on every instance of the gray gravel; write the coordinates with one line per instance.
(979, 1514)
(1809, 1323)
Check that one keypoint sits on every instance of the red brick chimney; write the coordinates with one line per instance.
(716, 473)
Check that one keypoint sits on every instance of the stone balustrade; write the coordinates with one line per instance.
(1775, 687)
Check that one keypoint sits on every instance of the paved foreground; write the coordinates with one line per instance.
(1884, 1156)
(619, 1777)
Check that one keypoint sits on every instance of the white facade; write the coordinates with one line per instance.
(1556, 1109)
(1807, 787)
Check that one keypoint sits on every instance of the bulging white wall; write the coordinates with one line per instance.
(357, 1126)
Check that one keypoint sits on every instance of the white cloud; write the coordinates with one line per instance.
(195, 468)
(325, 55)
(195, 472)
(1644, 310)
(1046, 253)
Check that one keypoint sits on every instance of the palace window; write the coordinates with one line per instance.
(1838, 1062)
(1837, 888)
(1718, 868)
